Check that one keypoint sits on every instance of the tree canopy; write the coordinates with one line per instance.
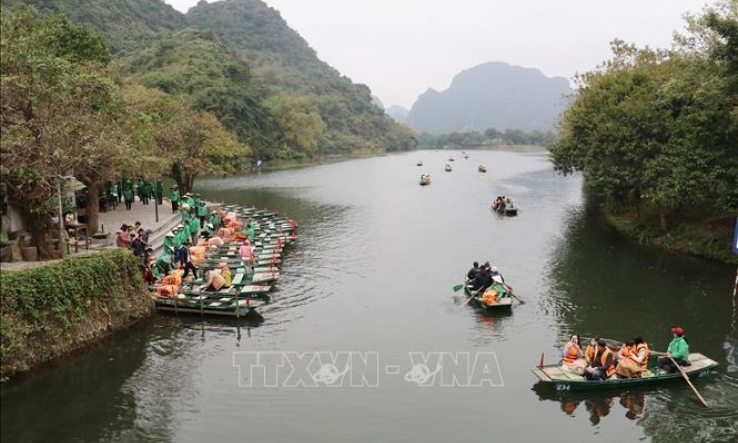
(659, 127)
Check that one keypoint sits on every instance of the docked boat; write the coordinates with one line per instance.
(447, 168)
(482, 168)
(208, 304)
(561, 379)
(496, 297)
(249, 288)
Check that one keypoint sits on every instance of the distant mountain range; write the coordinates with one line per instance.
(491, 95)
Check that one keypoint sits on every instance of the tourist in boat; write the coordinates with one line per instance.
(482, 280)
(214, 283)
(678, 350)
(602, 366)
(246, 251)
(633, 359)
(225, 271)
(473, 272)
(573, 356)
(591, 349)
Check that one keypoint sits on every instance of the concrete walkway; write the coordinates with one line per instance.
(111, 221)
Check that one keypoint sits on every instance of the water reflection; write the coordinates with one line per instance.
(596, 406)
(84, 401)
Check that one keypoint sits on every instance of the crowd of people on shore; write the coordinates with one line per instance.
(600, 360)
(126, 189)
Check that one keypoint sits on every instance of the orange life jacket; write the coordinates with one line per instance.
(589, 353)
(609, 370)
(571, 354)
(635, 350)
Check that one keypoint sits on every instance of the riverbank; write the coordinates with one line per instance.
(708, 238)
(52, 310)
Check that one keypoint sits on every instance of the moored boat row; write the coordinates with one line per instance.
(250, 282)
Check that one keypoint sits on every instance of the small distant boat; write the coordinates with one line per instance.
(419, 163)
(450, 159)
(482, 168)
(448, 168)
(505, 208)
(425, 180)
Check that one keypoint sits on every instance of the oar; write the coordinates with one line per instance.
(468, 299)
(458, 287)
(510, 288)
(684, 374)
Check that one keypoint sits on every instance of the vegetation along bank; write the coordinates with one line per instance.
(51, 310)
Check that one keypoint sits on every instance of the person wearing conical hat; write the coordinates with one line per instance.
(215, 219)
(169, 239)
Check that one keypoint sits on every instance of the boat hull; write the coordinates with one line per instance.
(555, 377)
(504, 303)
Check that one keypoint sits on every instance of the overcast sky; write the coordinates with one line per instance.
(400, 48)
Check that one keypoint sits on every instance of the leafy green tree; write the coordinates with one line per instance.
(56, 96)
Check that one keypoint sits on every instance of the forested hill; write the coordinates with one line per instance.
(492, 95)
(245, 65)
(125, 24)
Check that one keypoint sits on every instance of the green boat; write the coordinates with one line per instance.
(562, 379)
(504, 300)
(204, 305)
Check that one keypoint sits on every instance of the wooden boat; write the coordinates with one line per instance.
(504, 210)
(450, 159)
(419, 163)
(503, 301)
(564, 380)
(448, 168)
(203, 304)
(248, 290)
(425, 180)
(482, 168)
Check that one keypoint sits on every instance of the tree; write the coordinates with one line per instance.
(56, 97)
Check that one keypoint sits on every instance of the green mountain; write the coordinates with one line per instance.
(492, 95)
(240, 60)
(126, 24)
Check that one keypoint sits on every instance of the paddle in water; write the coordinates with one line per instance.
(686, 377)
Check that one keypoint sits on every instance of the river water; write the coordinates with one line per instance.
(367, 292)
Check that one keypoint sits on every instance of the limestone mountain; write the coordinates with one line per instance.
(241, 61)
(491, 95)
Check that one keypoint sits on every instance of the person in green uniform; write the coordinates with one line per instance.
(215, 219)
(169, 239)
(165, 262)
(128, 197)
(174, 197)
(159, 191)
(202, 213)
(194, 225)
(678, 350)
(146, 189)
(250, 232)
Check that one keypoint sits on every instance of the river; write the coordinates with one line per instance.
(367, 291)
